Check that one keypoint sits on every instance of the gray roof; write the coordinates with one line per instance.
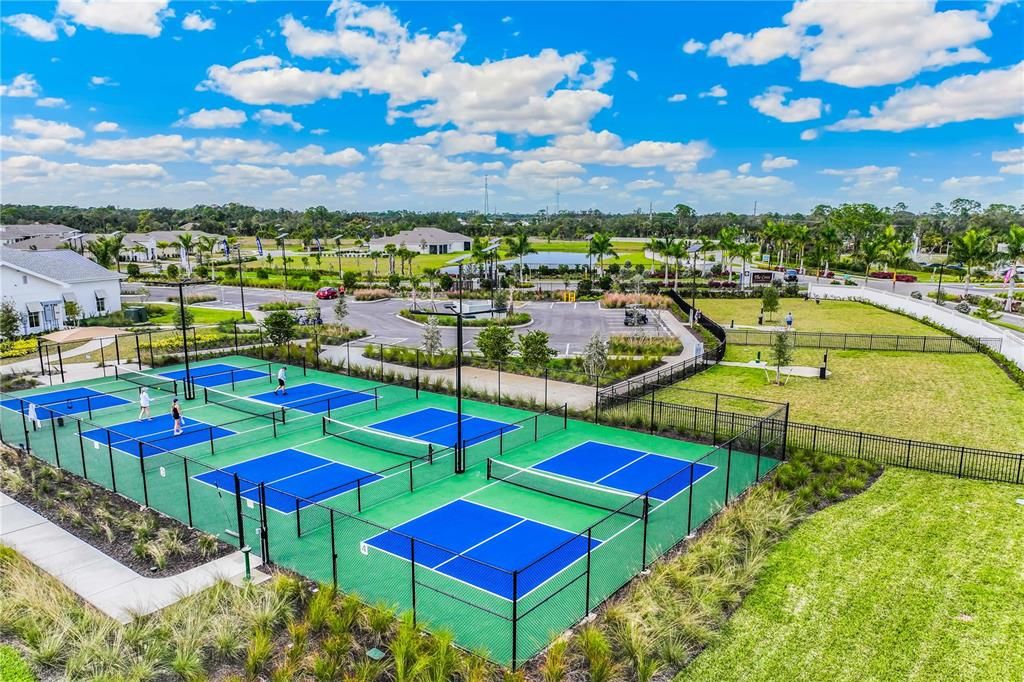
(34, 230)
(62, 265)
(430, 235)
(42, 242)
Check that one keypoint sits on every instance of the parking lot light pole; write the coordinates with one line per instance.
(241, 281)
(938, 293)
(284, 261)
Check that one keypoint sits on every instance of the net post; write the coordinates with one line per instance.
(81, 448)
(110, 456)
(646, 512)
(590, 535)
(536, 428)
(323, 426)
(545, 389)
(565, 416)
(142, 469)
(88, 405)
(238, 511)
(273, 421)
(515, 617)
(359, 495)
(412, 573)
(334, 555)
(430, 453)
(376, 399)
(53, 430)
(188, 492)
(410, 475)
(298, 519)
(232, 373)
(303, 361)
(117, 351)
(501, 443)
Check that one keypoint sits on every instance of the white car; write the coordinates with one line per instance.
(1019, 269)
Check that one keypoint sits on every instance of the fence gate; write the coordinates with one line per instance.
(251, 506)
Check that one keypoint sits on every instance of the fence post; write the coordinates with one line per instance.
(728, 472)
(515, 617)
(188, 492)
(81, 449)
(298, 519)
(597, 399)
(646, 513)
(382, 362)
(103, 359)
(590, 533)
(238, 512)
(334, 555)
(39, 348)
(909, 442)
(652, 413)
(689, 504)
(412, 564)
(53, 429)
(499, 382)
(714, 427)
(545, 389)
(960, 472)
(348, 356)
(138, 352)
(60, 363)
(785, 433)
(110, 456)
(152, 359)
(264, 535)
(142, 468)
(757, 472)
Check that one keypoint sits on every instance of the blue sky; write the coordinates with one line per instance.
(615, 106)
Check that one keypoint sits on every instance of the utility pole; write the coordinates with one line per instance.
(487, 199)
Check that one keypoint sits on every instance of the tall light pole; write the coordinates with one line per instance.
(337, 246)
(241, 281)
(190, 389)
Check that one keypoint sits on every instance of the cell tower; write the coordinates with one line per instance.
(487, 198)
(558, 199)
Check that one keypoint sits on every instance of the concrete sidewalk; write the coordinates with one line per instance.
(110, 586)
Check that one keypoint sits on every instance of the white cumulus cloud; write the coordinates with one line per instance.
(716, 91)
(678, 97)
(225, 117)
(106, 127)
(770, 163)
(744, 168)
(772, 102)
(276, 118)
(194, 21)
(809, 134)
(1013, 158)
(861, 44)
(607, 149)
(51, 103)
(23, 85)
(692, 46)
(33, 26)
(958, 186)
(986, 95)
(130, 18)
(37, 127)
(869, 178)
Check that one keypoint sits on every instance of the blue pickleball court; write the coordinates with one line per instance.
(482, 546)
(217, 374)
(68, 401)
(434, 425)
(156, 434)
(633, 471)
(314, 397)
(289, 476)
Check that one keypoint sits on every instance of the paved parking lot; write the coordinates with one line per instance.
(569, 324)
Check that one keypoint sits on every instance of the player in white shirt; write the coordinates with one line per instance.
(144, 402)
(282, 377)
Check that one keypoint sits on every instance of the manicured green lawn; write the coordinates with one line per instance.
(201, 315)
(808, 316)
(960, 399)
(919, 578)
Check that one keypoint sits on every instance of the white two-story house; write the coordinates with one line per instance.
(39, 283)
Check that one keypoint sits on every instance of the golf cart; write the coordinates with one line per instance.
(636, 315)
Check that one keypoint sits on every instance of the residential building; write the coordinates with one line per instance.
(38, 236)
(425, 240)
(39, 283)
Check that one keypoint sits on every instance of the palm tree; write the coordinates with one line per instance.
(706, 244)
(972, 248)
(478, 253)
(659, 247)
(745, 251)
(800, 237)
(207, 245)
(375, 255)
(518, 246)
(100, 251)
(727, 242)
(186, 243)
(773, 236)
(390, 250)
(677, 252)
(872, 250)
(431, 275)
(1015, 250)
(601, 246)
(115, 244)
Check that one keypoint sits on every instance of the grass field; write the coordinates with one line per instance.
(200, 315)
(959, 399)
(808, 316)
(919, 578)
(12, 667)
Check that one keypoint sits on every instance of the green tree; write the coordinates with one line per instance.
(187, 243)
(432, 337)
(595, 356)
(10, 320)
(173, 271)
(871, 250)
(72, 311)
(745, 252)
(534, 349)
(349, 280)
(189, 317)
(600, 248)
(972, 248)
(770, 300)
(279, 327)
(496, 343)
(341, 308)
(660, 247)
(781, 353)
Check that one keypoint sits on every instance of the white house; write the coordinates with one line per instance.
(40, 282)
(425, 240)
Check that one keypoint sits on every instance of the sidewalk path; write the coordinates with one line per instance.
(513, 385)
(110, 586)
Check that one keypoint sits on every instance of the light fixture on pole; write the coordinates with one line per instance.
(458, 314)
(692, 249)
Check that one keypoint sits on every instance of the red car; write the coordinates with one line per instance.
(326, 293)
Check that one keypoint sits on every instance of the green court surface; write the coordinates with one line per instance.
(547, 548)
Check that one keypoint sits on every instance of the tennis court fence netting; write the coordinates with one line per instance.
(329, 544)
